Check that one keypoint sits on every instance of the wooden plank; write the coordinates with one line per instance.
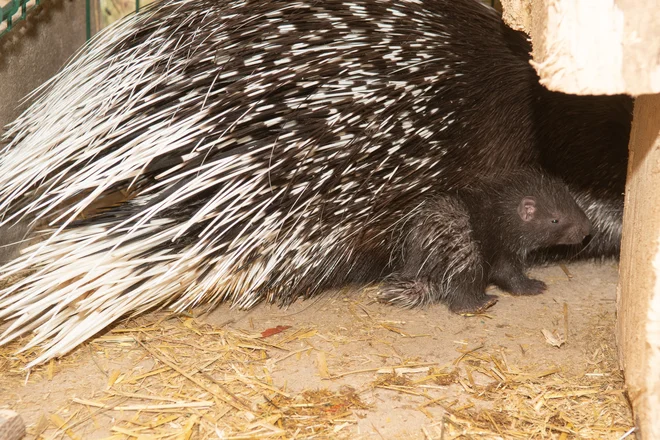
(638, 295)
(592, 46)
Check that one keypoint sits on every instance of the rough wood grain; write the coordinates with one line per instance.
(638, 295)
(587, 47)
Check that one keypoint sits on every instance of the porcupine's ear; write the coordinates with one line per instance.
(527, 208)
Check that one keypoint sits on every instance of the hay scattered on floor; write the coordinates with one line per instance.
(190, 380)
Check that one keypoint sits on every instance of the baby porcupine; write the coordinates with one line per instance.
(453, 245)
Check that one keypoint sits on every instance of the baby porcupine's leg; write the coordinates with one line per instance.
(509, 275)
(437, 260)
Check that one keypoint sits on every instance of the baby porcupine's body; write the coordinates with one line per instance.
(454, 244)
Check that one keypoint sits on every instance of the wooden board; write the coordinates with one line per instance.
(592, 47)
(638, 296)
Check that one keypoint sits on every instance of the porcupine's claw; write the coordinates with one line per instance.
(473, 304)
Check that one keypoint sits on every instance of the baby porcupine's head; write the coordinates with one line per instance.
(547, 212)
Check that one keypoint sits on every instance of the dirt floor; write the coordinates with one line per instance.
(343, 367)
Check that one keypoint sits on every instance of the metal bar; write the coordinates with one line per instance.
(8, 11)
(88, 20)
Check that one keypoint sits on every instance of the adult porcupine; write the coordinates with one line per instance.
(270, 149)
(454, 244)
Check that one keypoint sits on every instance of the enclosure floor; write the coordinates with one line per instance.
(489, 376)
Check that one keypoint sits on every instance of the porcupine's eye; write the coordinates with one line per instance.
(554, 220)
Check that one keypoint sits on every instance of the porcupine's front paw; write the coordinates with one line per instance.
(416, 293)
(406, 293)
(512, 278)
(525, 286)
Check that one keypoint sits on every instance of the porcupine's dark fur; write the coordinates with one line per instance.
(592, 163)
(454, 244)
(272, 148)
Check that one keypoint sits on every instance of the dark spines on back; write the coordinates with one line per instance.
(337, 104)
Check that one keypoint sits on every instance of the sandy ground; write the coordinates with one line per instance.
(483, 376)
